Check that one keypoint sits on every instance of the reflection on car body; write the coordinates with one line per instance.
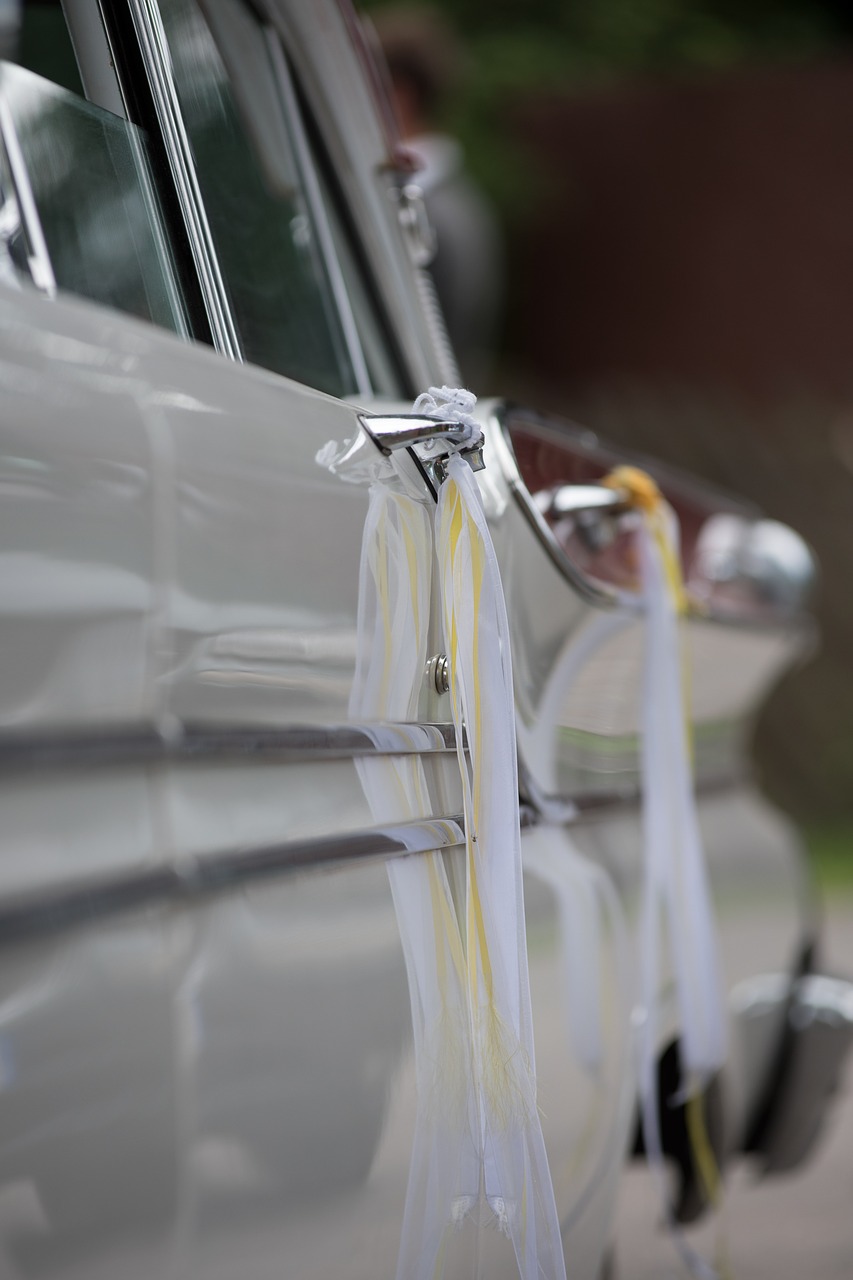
(206, 1056)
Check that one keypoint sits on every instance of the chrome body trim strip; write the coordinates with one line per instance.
(68, 906)
(594, 806)
(290, 745)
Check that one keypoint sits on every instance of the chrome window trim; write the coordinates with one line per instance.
(153, 44)
(293, 744)
(64, 907)
(164, 246)
(314, 199)
(96, 60)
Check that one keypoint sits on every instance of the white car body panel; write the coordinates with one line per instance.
(206, 1060)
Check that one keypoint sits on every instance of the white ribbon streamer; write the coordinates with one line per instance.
(677, 901)
(597, 1008)
(677, 886)
(516, 1178)
(478, 1140)
(451, 404)
(393, 614)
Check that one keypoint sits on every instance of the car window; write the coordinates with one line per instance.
(285, 286)
(253, 185)
(78, 211)
(380, 357)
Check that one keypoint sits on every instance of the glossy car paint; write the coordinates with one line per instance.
(219, 1081)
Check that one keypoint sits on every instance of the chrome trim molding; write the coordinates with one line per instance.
(156, 56)
(580, 499)
(290, 745)
(95, 55)
(592, 806)
(594, 593)
(68, 906)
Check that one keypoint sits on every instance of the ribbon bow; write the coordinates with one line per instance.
(451, 404)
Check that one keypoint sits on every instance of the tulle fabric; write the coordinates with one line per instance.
(678, 896)
(596, 964)
(516, 1178)
(478, 1150)
(677, 903)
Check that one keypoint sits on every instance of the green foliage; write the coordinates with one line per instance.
(831, 849)
(582, 37)
(520, 47)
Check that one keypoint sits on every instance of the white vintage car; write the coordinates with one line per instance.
(211, 267)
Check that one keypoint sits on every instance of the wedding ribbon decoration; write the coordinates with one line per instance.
(516, 1178)
(451, 404)
(597, 1013)
(677, 897)
(478, 1151)
(393, 613)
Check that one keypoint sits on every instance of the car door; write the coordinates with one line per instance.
(298, 1068)
(85, 1009)
(221, 920)
(251, 1029)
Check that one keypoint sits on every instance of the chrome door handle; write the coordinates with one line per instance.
(594, 509)
(575, 499)
(403, 430)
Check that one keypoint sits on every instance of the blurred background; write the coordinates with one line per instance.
(672, 182)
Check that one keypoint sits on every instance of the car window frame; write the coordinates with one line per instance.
(125, 69)
(317, 205)
(153, 50)
(43, 263)
(152, 44)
